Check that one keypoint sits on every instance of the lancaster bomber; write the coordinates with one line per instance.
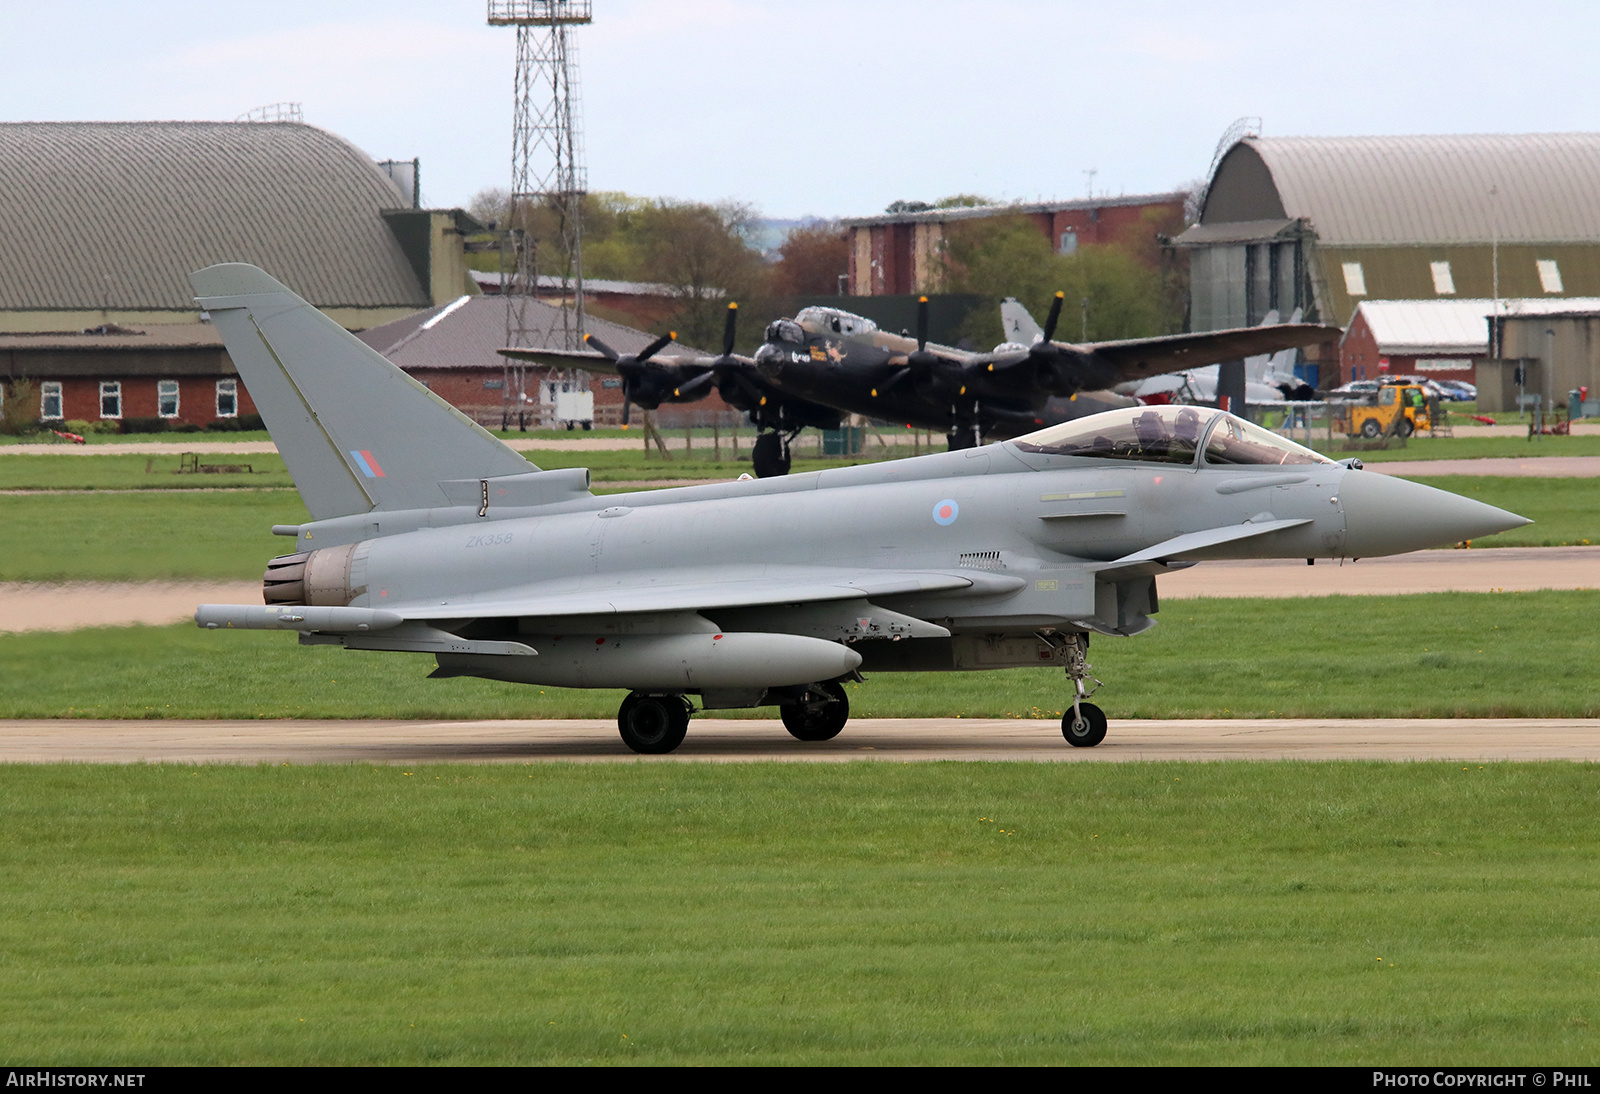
(826, 362)
(430, 535)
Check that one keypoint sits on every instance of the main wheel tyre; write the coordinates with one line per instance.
(1088, 729)
(821, 722)
(768, 457)
(1406, 427)
(653, 724)
(1370, 429)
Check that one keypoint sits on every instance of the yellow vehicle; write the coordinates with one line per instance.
(1397, 410)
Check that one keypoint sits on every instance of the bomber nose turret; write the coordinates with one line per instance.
(1385, 515)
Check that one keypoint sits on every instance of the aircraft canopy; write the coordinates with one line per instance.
(1168, 434)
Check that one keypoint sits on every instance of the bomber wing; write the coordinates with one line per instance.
(1136, 358)
(1066, 368)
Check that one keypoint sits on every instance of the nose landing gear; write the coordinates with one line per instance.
(1084, 726)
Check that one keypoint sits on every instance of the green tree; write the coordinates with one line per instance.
(702, 253)
(1110, 293)
(19, 412)
(811, 261)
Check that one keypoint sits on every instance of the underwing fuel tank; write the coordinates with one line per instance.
(664, 662)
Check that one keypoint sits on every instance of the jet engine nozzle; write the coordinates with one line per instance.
(1385, 515)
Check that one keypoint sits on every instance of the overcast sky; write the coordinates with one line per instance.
(826, 107)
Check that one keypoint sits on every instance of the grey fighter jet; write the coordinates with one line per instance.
(428, 534)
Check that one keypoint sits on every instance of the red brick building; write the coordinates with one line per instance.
(454, 351)
(901, 253)
(177, 372)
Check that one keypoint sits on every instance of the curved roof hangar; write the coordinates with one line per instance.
(1375, 191)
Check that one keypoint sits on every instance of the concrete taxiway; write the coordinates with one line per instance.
(1476, 740)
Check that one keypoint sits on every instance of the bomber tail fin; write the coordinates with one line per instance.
(1019, 325)
(356, 433)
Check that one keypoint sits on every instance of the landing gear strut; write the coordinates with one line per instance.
(965, 434)
(1084, 726)
(653, 724)
(770, 455)
(819, 716)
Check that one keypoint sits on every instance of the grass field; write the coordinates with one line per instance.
(1564, 511)
(1283, 913)
(1437, 655)
(1464, 446)
(127, 536)
(129, 472)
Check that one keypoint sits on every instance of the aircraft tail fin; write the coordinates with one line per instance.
(1019, 325)
(355, 432)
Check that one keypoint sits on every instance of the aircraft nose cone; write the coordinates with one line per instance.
(1384, 515)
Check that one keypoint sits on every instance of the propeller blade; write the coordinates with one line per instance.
(1055, 316)
(922, 323)
(892, 382)
(605, 351)
(627, 399)
(655, 347)
(729, 329)
(689, 388)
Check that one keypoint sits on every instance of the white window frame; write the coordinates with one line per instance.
(162, 392)
(113, 389)
(231, 388)
(1549, 275)
(1355, 281)
(51, 389)
(1444, 283)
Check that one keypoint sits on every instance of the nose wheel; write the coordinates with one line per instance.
(1084, 726)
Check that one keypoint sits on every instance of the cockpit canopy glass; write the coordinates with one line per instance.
(834, 321)
(1167, 434)
(1236, 441)
(785, 330)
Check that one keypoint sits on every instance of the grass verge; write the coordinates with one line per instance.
(1435, 655)
(130, 536)
(1229, 913)
(1564, 511)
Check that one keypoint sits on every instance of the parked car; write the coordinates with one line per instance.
(1458, 391)
(1354, 390)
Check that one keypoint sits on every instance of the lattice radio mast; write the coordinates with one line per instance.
(548, 183)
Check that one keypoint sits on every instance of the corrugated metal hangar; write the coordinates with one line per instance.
(105, 220)
(1323, 224)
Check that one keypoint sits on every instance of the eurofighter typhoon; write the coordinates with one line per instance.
(428, 534)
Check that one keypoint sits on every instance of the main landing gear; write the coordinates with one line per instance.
(819, 716)
(1084, 726)
(656, 724)
(653, 724)
(770, 455)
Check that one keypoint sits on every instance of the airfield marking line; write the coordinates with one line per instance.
(723, 740)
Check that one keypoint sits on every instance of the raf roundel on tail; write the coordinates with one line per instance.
(428, 534)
